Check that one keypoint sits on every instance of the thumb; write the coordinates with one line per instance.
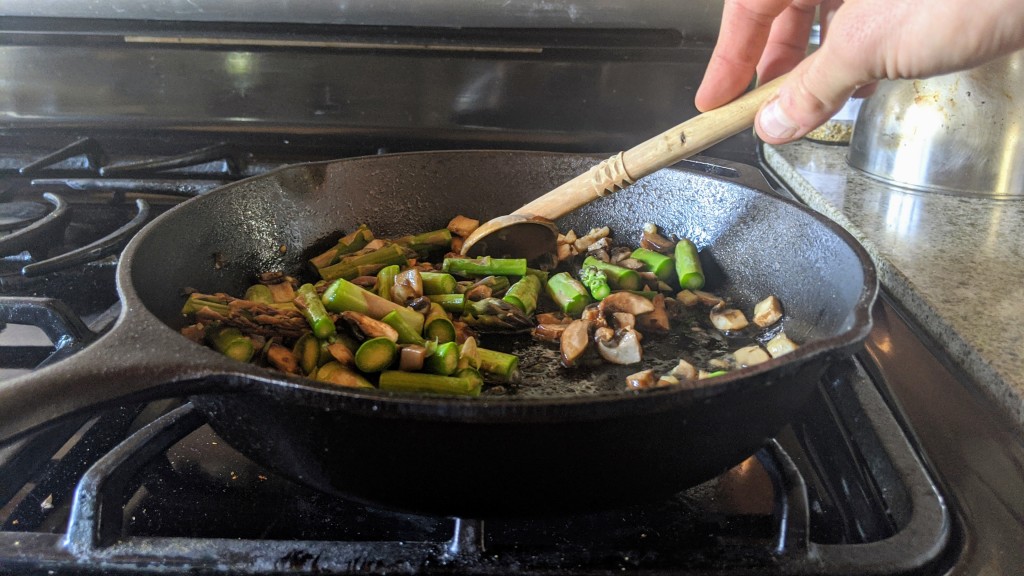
(815, 90)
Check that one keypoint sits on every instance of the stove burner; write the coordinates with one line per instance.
(17, 214)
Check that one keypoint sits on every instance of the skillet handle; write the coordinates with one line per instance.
(671, 146)
(139, 359)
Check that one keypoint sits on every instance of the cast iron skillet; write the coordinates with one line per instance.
(470, 457)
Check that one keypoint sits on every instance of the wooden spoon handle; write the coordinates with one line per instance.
(665, 149)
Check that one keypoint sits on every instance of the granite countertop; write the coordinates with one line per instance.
(956, 264)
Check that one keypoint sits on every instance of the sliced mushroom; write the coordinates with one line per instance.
(549, 332)
(726, 319)
(620, 253)
(750, 356)
(367, 282)
(583, 243)
(369, 327)
(574, 341)
(627, 302)
(631, 263)
(462, 226)
(282, 358)
(687, 298)
(341, 353)
(780, 344)
(767, 311)
(479, 292)
(707, 298)
(623, 320)
(641, 380)
(552, 318)
(684, 371)
(656, 320)
(653, 240)
(624, 349)
(408, 286)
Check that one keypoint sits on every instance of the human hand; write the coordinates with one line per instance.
(862, 41)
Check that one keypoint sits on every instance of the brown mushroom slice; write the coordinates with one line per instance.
(623, 349)
(462, 225)
(574, 341)
(408, 286)
(623, 320)
(583, 243)
(653, 240)
(780, 344)
(727, 319)
(750, 356)
(341, 353)
(368, 327)
(707, 298)
(767, 311)
(641, 380)
(684, 371)
(656, 320)
(282, 358)
(687, 298)
(548, 332)
(627, 302)
(552, 318)
(667, 380)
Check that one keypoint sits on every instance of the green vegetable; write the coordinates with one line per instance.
(376, 354)
(453, 303)
(312, 308)
(596, 281)
(259, 293)
(406, 333)
(307, 351)
(426, 242)
(360, 264)
(444, 360)
(231, 343)
(485, 266)
(661, 265)
(502, 366)
(343, 295)
(336, 373)
(352, 242)
(524, 294)
(569, 294)
(438, 326)
(386, 280)
(688, 268)
(399, 381)
(619, 277)
(438, 283)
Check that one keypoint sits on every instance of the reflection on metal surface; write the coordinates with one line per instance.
(280, 43)
(959, 133)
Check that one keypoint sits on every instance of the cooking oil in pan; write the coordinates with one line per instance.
(543, 375)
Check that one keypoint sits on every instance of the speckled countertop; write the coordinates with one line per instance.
(954, 263)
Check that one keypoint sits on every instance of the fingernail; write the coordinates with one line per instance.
(775, 123)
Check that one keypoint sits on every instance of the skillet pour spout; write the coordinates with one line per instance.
(488, 456)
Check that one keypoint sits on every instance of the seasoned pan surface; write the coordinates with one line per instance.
(574, 442)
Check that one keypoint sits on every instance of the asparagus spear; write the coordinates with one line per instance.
(376, 354)
(230, 342)
(688, 268)
(485, 266)
(596, 281)
(502, 366)
(406, 333)
(453, 303)
(661, 265)
(259, 293)
(348, 244)
(426, 242)
(619, 277)
(570, 295)
(359, 264)
(495, 314)
(444, 360)
(396, 380)
(343, 295)
(524, 293)
(438, 283)
(386, 280)
(307, 351)
(312, 308)
(438, 326)
(336, 373)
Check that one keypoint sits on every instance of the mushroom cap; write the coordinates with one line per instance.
(625, 349)
(627, 302)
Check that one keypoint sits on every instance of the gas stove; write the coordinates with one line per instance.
(106, 123)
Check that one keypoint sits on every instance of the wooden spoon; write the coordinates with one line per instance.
(529, 232)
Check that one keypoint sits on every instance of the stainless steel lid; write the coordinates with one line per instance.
(960, 133)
